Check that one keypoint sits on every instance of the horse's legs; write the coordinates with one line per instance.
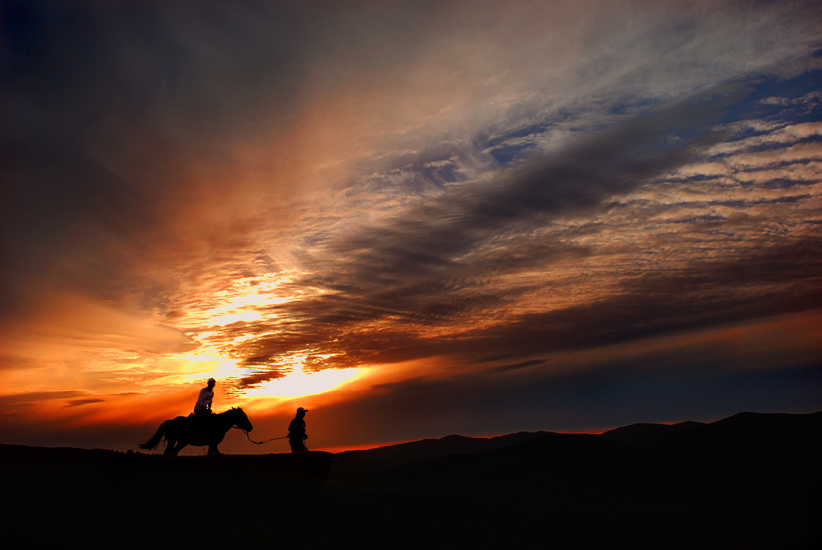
(169, 452)
(173, 447)
(180, 446)
(212, 450)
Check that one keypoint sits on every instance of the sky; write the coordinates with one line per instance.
(413, 218)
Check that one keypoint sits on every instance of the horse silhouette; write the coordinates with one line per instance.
(182, 431)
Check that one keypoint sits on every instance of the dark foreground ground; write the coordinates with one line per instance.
(749, 481)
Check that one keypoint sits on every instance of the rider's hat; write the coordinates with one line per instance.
(212, 381)
(302, 409)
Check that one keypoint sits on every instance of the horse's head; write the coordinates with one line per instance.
(239, 418)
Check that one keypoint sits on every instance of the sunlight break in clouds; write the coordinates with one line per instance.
(301, 384)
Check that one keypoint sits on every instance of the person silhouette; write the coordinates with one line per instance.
(202, 409)
(296, 432)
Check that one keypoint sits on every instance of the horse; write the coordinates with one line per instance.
(182, 431)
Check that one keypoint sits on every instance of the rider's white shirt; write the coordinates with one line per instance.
(204, 399)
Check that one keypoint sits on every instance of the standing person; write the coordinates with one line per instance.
(203, 406)
(296, 432)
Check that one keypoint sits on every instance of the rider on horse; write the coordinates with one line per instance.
(201, 428)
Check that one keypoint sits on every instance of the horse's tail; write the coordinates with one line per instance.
(158, 437)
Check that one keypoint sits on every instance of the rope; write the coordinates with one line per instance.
(259, 442)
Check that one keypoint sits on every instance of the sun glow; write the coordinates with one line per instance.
(301, 384)
(236, 317)
(242, 300)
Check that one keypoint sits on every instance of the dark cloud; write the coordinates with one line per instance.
(40, 395)
(80, 402)
(776, 281)
(575, 180)
(28, 398)
(270, 373)
(430, 266)
(519, 365)
(438, 264)
(779, 280)
(785, 279)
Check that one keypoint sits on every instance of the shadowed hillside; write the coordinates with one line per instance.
(748, 481)
(393, 455)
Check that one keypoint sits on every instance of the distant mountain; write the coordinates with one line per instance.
(751, 432)
(773, 458)
(452, 445)
(762, 434)
(643, 432)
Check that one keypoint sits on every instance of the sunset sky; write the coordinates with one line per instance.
(414, 218)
